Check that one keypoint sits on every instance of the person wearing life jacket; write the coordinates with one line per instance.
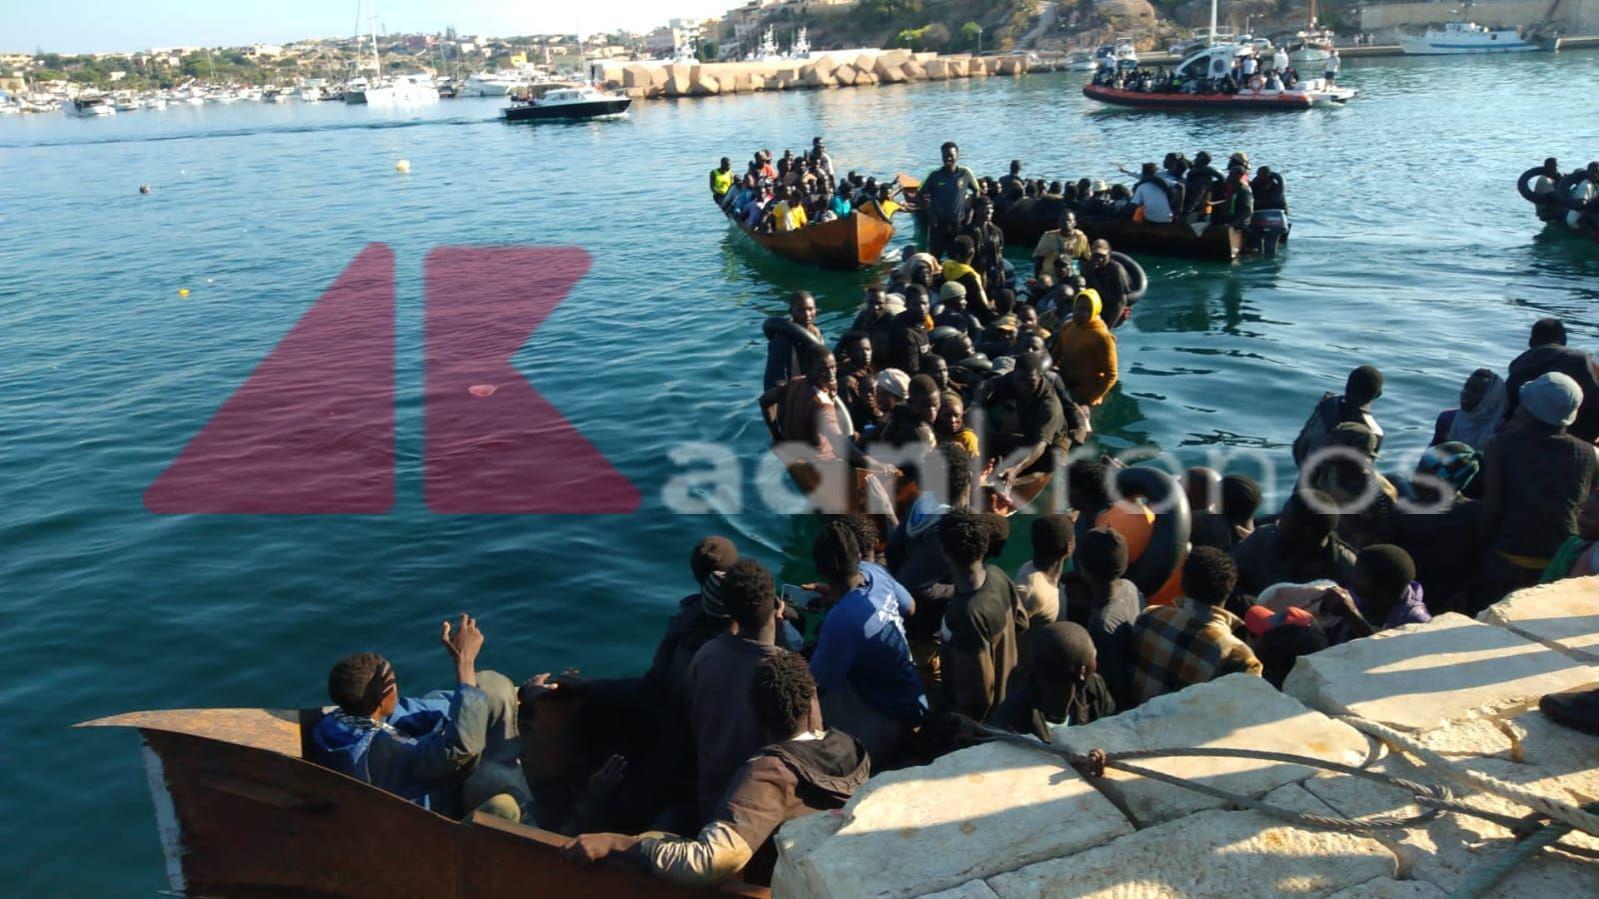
(1237, 202)
(1202, 177)
(1111, 284)
(721, 179)
(958, 269)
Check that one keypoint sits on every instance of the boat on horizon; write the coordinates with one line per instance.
(1458, 38)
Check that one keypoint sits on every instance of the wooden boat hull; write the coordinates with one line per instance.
(1247, 101)
(243, 815)
(849, 243)
(1025, 221)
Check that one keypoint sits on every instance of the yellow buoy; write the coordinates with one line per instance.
(183, 291)
(403, 166)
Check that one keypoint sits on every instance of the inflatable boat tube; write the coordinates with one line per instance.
(1563, 195)
(943, 332)
(1137, 280)
(976, 362)
(801, 337)
(1524, 185)
(1168, 539)
(846, 424)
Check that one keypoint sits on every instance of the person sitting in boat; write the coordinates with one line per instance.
(1290, 78)
(817, 157)
(1084, 351)
(885, 201)
(840, 205)
(1026, 422)
(1151, 195)
(953, 312)
(1202, 179)
(958, 269)
(764, 157)
(988, 244)
(804, 768)
(788, 355)
(911, 422)
(758, 207)
(947, 193)
(721, 180)
(1269, 189)
(449, 751)
(1011, 185)
(788, 214)
(1065, 242)
(911, 327)
(1001, 338)
(1362, 388)
(1110, 282)
(877, 322)
(857, 380)
(950, 426)
(1274, 81)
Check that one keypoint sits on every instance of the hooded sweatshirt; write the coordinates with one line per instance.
(782, 781)
(1574, 363)
(419, 754)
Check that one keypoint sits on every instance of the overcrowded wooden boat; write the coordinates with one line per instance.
(1025, 221)
(243, 814)
(852, 242)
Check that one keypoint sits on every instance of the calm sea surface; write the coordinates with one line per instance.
(1410, 250)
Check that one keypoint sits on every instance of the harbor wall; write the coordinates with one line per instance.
(1572, 16)
(649, 80)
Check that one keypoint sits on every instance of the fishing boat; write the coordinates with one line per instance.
(1468, 37)
(89, 106)
(854, 241)
(242, 813)
(568, 103)
(1312, 46)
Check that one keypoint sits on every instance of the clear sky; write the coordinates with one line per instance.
(86, 26)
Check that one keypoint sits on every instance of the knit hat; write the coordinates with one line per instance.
(894, 382)
(711, 595)
(951, 289)
(1102, 553)
(712, 554)
(1259, 619)
(1552, 398)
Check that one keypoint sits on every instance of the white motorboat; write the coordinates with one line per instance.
(407, 90)
(569, 103)
(274, 95)
(493, 84)
(1081, 61)
(88, 106)
(1468, 37)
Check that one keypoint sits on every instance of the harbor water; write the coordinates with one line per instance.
(1410, 250)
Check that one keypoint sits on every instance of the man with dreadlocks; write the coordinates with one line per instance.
(449, 751)
(804, 768)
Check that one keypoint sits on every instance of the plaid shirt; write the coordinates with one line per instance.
(1188, 643)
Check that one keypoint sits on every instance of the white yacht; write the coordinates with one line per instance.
(493, 84)
(88, 105)
(1469, 37)
(406, 90)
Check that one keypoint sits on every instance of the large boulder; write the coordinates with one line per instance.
(959, 66)
(1563, 615)
(844, 75)
(914, 71)
(814, 77)
(1421, 676)
(676, 87)
(706, 86)
(638, 76)
(865, 78)
(937, 69)
(1240, 711)
(895, 57)
(682, 72)
(887, 74)
(968, 815)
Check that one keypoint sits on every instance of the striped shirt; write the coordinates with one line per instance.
(1188, 643)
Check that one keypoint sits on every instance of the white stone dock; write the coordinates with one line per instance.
(1002, 821)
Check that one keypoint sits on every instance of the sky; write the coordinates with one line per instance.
(95, 26)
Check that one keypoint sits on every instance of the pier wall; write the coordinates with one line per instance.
(1573, 16)
(655, 79)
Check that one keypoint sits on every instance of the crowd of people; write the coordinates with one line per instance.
(1248, 71)
(794, 191)
(763, 702)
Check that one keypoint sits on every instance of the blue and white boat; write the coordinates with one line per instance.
(1468, 37)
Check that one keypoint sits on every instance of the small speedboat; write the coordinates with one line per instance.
(87, 107)
(568, 103)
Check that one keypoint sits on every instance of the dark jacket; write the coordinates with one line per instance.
(1262, 561)
(787, 357)
(725, 733)
(908, 345)
(1113, 286)
(1329, 413)
(1540, 360)
(1534, 479)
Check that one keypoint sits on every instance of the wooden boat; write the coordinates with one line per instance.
(852, 242)
(1025, 221)
(242, 814)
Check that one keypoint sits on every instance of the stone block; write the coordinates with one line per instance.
(706, 86)
(959, 66)
(913, 71)
(970, 814)
(1420, 676)
(1214, 853)
(1448, 850)
(757, 83)
(637, 76)
(1238, 711)
(1564, 615)
(937, 69)
(638, 93)
(676, 88)
(895, 57)
(865, 62)
(887, 72)
(865, 78)
(825, 64)
(1389, 888)
(844, 75)
(682, 72)
(971, 889)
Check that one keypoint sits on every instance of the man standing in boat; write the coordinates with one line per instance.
(1331, 69)
(721, 180)
(947, 194)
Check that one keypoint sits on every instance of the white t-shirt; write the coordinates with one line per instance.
(1157, 205)
(1039, 595)
(1279, 60)
(1249, 66)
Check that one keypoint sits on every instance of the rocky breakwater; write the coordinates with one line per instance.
(1003, 821)
(651, 80)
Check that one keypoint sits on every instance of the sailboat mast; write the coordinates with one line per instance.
(372, 28)
(1213, 23)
